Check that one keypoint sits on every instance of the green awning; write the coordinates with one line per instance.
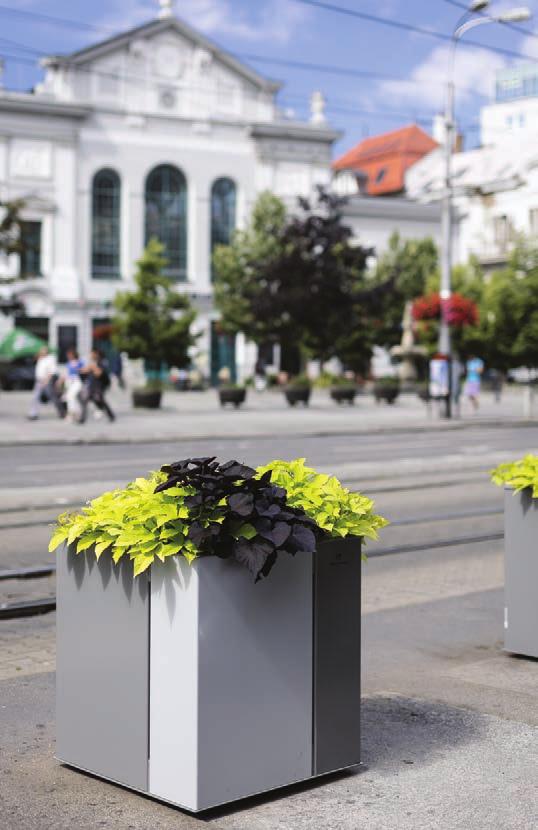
(20, 343)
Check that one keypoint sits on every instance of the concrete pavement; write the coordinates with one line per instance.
(196, 415)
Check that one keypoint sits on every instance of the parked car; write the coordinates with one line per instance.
(17, 374)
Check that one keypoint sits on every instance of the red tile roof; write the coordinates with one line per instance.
(385, 158)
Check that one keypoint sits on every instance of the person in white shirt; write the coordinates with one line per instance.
(73, 385)
(46, 376)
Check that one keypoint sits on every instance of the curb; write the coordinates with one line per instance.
(372, 430)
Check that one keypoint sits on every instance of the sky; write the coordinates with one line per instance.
(412, 66)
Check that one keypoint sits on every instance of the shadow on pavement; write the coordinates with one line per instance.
(404, 730)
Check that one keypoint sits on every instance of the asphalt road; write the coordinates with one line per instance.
(450, 722)
(27, 466)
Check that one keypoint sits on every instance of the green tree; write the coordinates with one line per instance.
(300, 281)
(154, 321)
(507, 334)
(411, 264)
(240, 266)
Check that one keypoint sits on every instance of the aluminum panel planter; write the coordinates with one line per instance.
(197, 686)
(521, 573)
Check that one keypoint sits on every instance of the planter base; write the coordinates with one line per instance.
(520, 573)
(235, 688)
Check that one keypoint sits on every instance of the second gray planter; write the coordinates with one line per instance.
(199, 687)
(521, 573)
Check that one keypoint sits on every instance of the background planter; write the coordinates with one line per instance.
(147, 398)
(232, 396)
(386, 393)
(521, 573)
(199, 687)
(297, 394)
(343, 394)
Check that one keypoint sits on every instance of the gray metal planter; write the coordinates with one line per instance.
(197, 686)
(521, 573)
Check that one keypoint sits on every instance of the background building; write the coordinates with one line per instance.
(376, 166)
(495, 185)
(515, 109)
(155, 131)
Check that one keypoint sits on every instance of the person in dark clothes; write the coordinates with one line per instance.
(96, 382)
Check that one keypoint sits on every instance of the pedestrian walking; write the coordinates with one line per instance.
(45, 386)
(474, 367)
(73, 385)
(96, 382)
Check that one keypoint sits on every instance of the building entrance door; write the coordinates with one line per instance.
(222, 353)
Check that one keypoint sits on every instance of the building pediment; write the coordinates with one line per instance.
(168, 40)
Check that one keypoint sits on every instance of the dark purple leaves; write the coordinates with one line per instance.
(281, 532)
(253, 555)
(241, 503)
(304, 539)
(231, 493)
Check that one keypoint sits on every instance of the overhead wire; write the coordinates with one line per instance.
(408, 27)
(319, 4)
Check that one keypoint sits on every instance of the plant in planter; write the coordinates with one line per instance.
(298, 390)
(153, 323)
(148, 396)
(520, 480)
(423, 391)
(343, 390)
(232, 393)
(386, 388)
(222, 661)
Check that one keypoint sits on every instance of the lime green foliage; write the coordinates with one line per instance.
(519, 475)
(144, 525)
(134, 521)
(323, 499)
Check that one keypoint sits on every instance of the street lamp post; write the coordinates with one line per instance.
(466, 22)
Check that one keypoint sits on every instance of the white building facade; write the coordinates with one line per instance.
(374, 219)
(154, 132)
(495, 186)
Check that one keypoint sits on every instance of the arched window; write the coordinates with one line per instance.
(106, 191)
(166, 216)
(223, 199)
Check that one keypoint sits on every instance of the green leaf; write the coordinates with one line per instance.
(142, 563)
(86, 542)
(59, 536)
(101, 546)
(246, 531)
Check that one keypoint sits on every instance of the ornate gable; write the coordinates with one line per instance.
(163, 66)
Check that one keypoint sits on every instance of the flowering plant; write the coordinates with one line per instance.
(457, 309)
